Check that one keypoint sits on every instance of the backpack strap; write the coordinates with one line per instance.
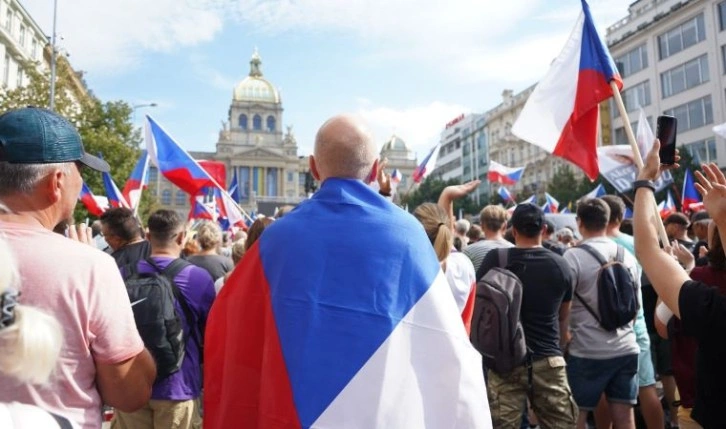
(595, 254)
(63, 423)
(620, 255)
(503, 253)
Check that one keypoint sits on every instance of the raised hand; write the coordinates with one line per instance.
(712, 187)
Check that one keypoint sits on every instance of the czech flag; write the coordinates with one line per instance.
(388, 350)
(668, 206)
(199, 210)
(561, 116)
(499, 173)
(91, 202)
(229, 212)
(174, 162)
(426, 166)
(505, 195)
(551, 204)
(530, 200)
(115, 197)
(598, 192)
(138, 181)
(690, 195)
(565, 210)
(396, 176)
(234, 187)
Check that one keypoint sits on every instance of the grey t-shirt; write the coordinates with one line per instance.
(589, 340)
(477, 251)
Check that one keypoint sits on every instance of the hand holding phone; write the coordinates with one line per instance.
(666, 128)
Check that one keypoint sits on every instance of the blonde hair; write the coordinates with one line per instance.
(238, 251)
(209, 235)
(435, 221)
(492, 218)
(30, 346)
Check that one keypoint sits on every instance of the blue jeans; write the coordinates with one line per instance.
(589, 378)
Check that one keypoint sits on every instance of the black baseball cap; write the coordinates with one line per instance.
(700, 216)
(677, 218)
(528, 218)
(34, 135)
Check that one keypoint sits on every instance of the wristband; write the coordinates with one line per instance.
(384, 194)
(643, 184)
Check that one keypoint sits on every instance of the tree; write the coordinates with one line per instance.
(429, 191)
(105, 127)
(563, 186)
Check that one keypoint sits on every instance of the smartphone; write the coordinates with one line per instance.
(665, 131)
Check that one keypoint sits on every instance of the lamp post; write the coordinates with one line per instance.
(53, 55)
(139, 106)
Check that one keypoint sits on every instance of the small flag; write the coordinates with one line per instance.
(115, 197)
(530, 200)
(426, 166)
(138, 181)
(689, 195)
(200, 210)
(92, 202)
(667, 206)
(565, 210)
(551, 204)
(505, 195)
(499, 173)
(396, 176)
(598, 192)
(234, 187)
(562, 114)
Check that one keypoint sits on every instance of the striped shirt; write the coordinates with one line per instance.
(477, 251)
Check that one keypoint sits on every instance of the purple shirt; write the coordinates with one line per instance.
(197, 287)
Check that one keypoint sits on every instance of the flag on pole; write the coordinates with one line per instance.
(530, 200)
(234, 187)
(505, 195)
(115, 197)
(385, 351)
(689, 195)
(138, 181)
(598, 192)
(551, 204)
(565, 210)
(200, 210)
(499, 173)
(667, 206)
(427, 165)
(562, 113)
(93, 204)
(644, 134)
(396, 176)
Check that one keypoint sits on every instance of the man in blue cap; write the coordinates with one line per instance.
(103, 359)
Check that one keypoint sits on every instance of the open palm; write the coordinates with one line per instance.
(712, 187)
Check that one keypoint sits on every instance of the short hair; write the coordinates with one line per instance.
(238, 251)
(32, 343)
(474, 233)
(617, 208)
(96, 227)
(209, 235)
(492, 218)
(122, 223)
(349, 152)
(256, 230)
(462, 226)
(435, 221)
(549, 227)
(164, 225)
(23, 178)
(594, 214)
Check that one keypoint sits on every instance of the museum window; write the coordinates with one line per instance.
(166, 197)
(243, 121)
(181, 198)
(257, 123)
(271, 124)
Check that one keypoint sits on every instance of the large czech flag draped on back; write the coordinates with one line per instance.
(317, 328)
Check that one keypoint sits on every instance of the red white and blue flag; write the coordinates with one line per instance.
(499, 173)
(551, 204)
(95, 205)
(690, 198)
(335, 346)
(138, 181)
(200, 210)
(598, 192)
(115, 197)
(427, 165)
(561, 115)
(396, 176)
(667, 206)
(531, 200)
(505, 195)
(234, 187)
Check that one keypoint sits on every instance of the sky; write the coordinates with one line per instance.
(406, 66)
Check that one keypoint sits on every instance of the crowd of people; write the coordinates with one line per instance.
(295, 321)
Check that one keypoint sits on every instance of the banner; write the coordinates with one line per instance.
(618, 167)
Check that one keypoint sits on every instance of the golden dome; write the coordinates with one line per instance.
(255, 87)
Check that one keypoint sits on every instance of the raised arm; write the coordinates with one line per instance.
(454, 192)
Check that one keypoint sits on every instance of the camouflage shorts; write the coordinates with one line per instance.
(552, 399)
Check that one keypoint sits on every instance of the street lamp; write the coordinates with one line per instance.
(139, 106)
(53, 57)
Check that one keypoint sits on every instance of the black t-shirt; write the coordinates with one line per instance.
(132, 253)
(700, 261)
(216, 265)
(547, 282)
(554, 246)
(703, 316)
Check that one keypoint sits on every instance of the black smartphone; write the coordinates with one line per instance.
(665, 131)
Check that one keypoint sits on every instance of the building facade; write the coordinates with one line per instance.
(400, 157)
(22, 43)
(672, 57)
(254, 145)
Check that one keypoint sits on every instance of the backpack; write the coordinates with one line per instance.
(152, 297)
(496, 330)
(617, 301)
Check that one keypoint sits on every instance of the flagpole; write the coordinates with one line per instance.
(638, 159)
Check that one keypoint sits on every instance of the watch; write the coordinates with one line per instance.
(643, 184)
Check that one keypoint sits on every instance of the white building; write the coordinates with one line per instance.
(672, 56)
(22, 43)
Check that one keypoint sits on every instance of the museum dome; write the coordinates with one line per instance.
(255, 87)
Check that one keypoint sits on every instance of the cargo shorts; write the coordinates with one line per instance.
(551, 398)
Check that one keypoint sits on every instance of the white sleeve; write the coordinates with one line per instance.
(663, 313)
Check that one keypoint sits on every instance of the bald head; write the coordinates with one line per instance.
(344, 147)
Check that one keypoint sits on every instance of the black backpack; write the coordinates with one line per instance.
(152, 297)
(496, 330)
(617, 300)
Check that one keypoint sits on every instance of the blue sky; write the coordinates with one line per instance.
(406, 66)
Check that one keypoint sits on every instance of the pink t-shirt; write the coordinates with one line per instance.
(82, 288)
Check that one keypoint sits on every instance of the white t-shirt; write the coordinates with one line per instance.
(589, 339)
(461, 277)
(21, 416)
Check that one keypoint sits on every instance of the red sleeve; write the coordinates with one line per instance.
(469, 308)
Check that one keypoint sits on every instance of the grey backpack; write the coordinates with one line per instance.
(496, 331)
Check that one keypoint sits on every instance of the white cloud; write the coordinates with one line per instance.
(419, 126)
(202, 68)
(107, 37)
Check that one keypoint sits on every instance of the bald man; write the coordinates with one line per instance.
(316, 328)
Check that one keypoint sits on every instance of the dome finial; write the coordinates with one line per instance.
(256, 64)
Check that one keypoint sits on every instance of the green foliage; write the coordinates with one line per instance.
(105, 127)
(430, 189)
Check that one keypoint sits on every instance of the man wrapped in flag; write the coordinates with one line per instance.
(329, 331)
